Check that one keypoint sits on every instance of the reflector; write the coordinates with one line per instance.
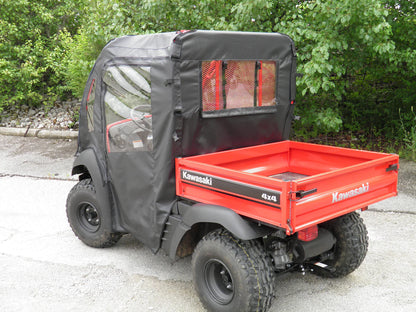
(308, 234)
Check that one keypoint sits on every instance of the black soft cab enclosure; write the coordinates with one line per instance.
(152, 98)
(249, 206)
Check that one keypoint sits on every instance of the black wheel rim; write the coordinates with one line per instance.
(219, 281)
(89, 217)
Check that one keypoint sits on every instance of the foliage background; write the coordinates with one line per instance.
(358, 57)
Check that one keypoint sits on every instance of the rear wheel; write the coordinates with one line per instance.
(231, 274)
(350, 248)
(90, 223)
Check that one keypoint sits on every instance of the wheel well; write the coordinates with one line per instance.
(191, 238)
(82, 171)
(193, 221)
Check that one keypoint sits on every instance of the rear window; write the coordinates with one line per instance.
(238, 87)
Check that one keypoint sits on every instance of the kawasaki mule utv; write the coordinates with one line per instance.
(183, 143)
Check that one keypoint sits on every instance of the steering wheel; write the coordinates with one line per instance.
(141, 116)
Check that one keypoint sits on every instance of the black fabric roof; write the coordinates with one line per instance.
(143, 182)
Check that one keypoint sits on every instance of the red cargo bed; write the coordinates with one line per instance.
(289, 184)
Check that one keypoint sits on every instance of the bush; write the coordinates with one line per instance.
(78, 61)
(408, 128)
(357, 56)
(31, 51)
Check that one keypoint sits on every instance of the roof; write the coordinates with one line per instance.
(201, 45)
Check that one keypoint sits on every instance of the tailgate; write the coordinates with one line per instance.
(289, 184)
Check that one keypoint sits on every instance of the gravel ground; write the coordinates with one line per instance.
(63, 116)
(44, 267)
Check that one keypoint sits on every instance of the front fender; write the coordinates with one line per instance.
(86, 163)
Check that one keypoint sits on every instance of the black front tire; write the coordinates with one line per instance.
(90, 223)
(231, 274)
(350, 248)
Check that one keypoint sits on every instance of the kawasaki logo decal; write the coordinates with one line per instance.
(364, 188)
(196, 178)
(235, 188)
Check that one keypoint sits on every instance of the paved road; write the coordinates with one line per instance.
(36, 157)
(44, 267)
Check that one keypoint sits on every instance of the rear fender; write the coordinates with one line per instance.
(227, 218)
(204, 213)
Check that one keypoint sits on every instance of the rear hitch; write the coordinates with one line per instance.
(312, 266)
(321, 266)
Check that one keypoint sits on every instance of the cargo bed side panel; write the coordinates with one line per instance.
(288, 184)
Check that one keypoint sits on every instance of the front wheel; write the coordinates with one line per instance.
(90, 223)
(231, 274)
(350, 248)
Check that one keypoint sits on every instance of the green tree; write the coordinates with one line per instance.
(31, 50)
(358, 61)
(358, 56)
(107, 19)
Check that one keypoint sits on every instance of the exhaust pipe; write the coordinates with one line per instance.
(305, 250)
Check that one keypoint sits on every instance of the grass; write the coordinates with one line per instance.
(409, 131)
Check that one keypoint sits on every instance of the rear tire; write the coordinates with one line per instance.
(90, 223)
(231, 274)
(350, 248)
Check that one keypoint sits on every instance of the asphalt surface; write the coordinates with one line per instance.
(44, 267)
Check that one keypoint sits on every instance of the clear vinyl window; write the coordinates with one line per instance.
(236, 85)
(90, 106)
(128, 108)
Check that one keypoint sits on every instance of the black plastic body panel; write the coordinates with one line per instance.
(190, 215)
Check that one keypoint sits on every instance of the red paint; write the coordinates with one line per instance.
(346, 180)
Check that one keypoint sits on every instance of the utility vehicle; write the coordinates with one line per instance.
(183, 143)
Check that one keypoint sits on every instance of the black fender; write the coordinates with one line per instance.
(189, 215)
(86, 163)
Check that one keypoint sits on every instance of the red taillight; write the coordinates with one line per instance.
(308, 234)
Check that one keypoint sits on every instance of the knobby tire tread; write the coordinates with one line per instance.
(107, 238)
(351, 246)
(256, 265)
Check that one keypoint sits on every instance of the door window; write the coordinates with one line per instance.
(90, 106)
(128, 108)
